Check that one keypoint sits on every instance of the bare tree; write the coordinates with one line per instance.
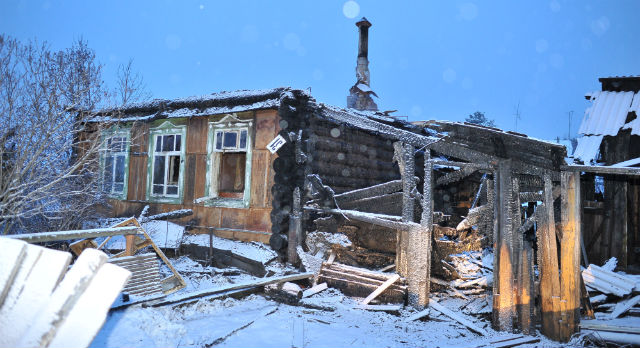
(130, 86)
(48, 159)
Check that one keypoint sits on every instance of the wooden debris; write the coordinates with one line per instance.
(354, 281)
(286, 292)
(474, 216)
(42, 237)
(145, 274)
(421, 314)
(314, 290)
(387, 268)
(607, 282)
(380, 289)
(78, 246)
(380, 308)
(45, 311)
(624, 306)
(207, 292)
(464, 321)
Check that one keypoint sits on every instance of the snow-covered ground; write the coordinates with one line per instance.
(256, 321)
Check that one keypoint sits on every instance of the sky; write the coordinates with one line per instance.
(428, 59)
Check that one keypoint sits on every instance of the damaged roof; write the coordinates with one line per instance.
(210, 104)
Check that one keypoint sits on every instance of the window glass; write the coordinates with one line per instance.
(178, 142)
(218, 140)
(230, 140)
(119, 174)
(157, 189)
(172, 190)
(243, 139)
(118, 187)
(158, 170)
(158, 144)
(167, 143)
(174, 170)
(108, 173)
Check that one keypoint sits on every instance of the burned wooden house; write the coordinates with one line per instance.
(276, 166)
(396, 189)
(610, 136)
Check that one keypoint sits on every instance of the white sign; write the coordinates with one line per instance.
(275, 144)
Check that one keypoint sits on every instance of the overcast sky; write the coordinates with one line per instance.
(429, 59)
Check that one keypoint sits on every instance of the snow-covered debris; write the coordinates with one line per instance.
(251, 250)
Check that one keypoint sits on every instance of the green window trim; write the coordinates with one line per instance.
(229, 123)
(105, 139)
(166, 128)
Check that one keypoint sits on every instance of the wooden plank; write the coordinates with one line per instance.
(462, 320)
(243, 285)
(380, 308)
(13, 254)
(548, 264)
(420, 314)
(259, 168)
(372, 191)
(42, 237)
(455, 176)
(376, 219)
(31, 290)
(503, 299)
(624, 306)
(526, 289)
(96, 300)
(598, 325)
(314, 290)
(63, 300)
(380, 289)
(570, 253)
(602, 170)
(265, 127)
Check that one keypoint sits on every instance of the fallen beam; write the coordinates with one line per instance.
(380, 289)
(603, 170)
(42, 237)
(314, 290)
(261, 282)
(389, 221)
(438, 307)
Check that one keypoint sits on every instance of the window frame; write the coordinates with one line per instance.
(212, 181)
(166, 128)
(113, 132)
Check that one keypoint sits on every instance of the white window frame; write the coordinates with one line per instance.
(166, 128)
(229, 123)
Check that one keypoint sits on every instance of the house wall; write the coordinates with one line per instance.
(247, 224)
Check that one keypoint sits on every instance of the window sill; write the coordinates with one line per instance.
(159, 199)
(227, 203)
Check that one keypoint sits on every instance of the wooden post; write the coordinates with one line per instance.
(548, 264)
(404, 153)
(130, 246)
(503, 304)
(295, 228)
(570, 253)
(419, 245)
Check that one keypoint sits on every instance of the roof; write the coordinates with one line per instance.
(210, 104)
(607, 114)
(588, 148)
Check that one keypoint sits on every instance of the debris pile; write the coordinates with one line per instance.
(612, 295)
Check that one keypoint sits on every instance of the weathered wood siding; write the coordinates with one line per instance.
(247, 224)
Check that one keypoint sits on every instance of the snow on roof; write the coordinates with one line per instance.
(629, 163)
(210, 104)
(607, 114)
(588, 148)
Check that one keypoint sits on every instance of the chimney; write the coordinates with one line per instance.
(360, 94)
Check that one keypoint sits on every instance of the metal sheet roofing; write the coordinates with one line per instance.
(607, 114)
(588, 148)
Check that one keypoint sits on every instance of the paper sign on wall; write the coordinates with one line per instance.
(275, 144)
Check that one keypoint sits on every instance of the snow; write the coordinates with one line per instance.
(165, 234)
(256, 321)
(251, 250)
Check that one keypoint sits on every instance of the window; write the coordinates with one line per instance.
(229, 163)
(166, 163)
(114, 161)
